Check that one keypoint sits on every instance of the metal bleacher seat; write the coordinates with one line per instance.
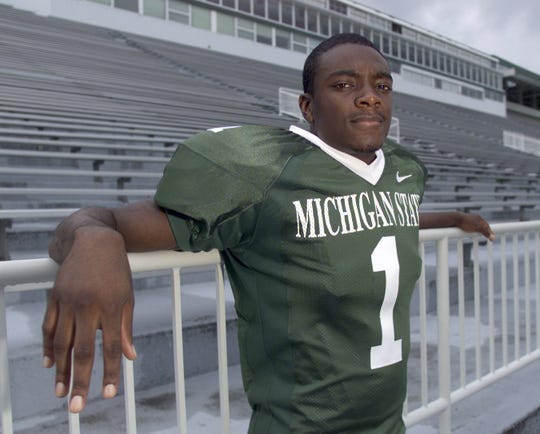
(89, 108)
(466, 132)
(99, 113)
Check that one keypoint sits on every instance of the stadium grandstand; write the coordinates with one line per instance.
(96, 94)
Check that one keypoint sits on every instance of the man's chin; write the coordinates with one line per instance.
(367, 148)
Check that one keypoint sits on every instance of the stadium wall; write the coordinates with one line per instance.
(408, 87)
(39, 7)
(100, 15)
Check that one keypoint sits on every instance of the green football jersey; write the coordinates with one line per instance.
(322, 265)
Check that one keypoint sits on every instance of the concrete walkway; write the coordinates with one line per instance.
(491, 411)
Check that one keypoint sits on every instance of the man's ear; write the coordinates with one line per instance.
(304, 102)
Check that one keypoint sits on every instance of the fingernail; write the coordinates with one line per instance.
(134, 350)
(76, 404)
(109, 391)
(60, 390)
(47, 363)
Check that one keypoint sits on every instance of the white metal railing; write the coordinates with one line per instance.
(490, 362)
(393, 132)
(288, 102)
(521, 142)
(509, 308)
(16, 275)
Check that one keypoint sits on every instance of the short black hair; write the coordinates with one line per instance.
(311, 63)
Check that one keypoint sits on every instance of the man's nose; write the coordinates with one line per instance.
(367, 96)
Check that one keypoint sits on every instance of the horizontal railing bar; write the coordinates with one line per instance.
(498, 228)
(475, 386)
(44, 269)
(440, 404)
(164, 260)
(36, 213)
(426, 411)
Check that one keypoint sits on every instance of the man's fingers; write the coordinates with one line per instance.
(490, 235)
(83, 360)
(475, 223)
(48, 329)
(485, 229)
(112, 355)
(63, 341)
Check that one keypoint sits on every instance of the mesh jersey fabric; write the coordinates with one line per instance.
(322, 265)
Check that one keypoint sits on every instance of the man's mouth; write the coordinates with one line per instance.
(367, 120)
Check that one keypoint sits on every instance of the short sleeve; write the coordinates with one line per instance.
(215, 183)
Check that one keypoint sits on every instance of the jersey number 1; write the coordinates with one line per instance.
(384, 258)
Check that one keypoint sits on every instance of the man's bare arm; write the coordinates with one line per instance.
(464, 221)
(142, 224)
(93, 291)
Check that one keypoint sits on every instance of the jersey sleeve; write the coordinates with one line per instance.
(214, 184)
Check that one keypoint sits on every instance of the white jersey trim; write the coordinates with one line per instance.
(370, 172)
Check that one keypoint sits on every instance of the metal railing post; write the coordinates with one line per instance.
(443, 313)
(129, 396)
(537, 287)
(5, 395)
(181, 412)
(222, 352)
(73, 418)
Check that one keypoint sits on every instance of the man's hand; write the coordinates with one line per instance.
(92, 291)
(475, 223)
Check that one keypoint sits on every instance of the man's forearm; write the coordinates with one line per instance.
(142, 226)
(464, 221)
(432, 220)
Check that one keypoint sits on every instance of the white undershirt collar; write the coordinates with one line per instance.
(370, 172)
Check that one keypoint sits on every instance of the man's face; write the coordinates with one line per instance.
(351, 105)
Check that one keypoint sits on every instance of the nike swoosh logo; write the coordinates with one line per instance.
(400, 179)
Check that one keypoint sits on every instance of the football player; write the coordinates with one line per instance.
(318, 230)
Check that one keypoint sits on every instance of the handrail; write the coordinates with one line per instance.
(524, 238)
(521, 142)
(43, 270)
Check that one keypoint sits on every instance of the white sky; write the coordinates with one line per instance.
(509, 29)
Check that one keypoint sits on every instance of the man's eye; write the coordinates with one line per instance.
(342, 85)
(384, 87)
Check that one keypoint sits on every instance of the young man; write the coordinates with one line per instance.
(319, 234)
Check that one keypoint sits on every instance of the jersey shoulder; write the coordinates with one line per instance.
(246, 145)
(219, 173)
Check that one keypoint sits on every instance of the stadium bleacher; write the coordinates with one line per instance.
(90, 116)
(78, 97)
